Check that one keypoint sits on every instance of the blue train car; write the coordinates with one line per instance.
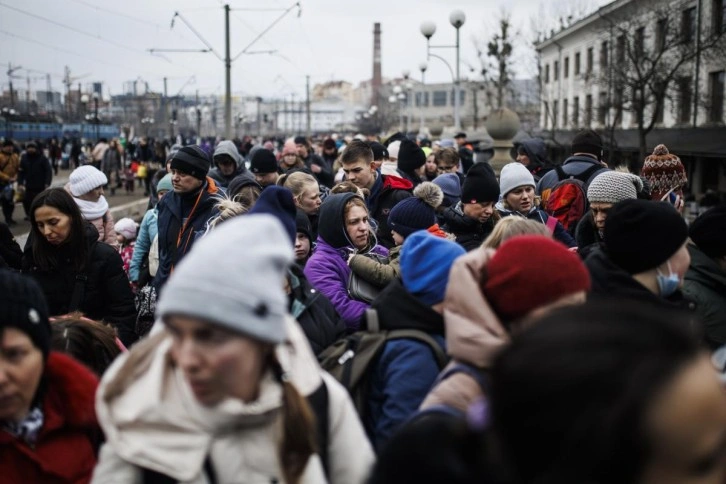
(28, 130)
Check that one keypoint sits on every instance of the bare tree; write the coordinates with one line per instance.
(644, 54)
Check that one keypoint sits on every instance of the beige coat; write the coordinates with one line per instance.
(156, 423)
(474, 334)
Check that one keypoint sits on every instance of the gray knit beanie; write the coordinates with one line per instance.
(514, 175)
(213, 282)
(614, 187)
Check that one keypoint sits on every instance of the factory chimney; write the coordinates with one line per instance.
(377, 80)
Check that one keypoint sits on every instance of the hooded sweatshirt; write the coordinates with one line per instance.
(227, 148)
(474, 333)
(328, 269)
(156, 423)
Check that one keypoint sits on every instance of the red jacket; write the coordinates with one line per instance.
(65, 451)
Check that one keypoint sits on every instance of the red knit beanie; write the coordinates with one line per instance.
(531, 271)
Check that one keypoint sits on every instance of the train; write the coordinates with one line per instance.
(29, 130)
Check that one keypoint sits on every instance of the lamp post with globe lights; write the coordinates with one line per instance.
(422, 67)
(428, 29)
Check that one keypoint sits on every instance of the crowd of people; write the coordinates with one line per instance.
(375, 312)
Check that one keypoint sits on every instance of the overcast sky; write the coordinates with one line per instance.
(105, 40)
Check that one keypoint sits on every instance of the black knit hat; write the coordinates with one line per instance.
(301, 140)
(708, 231)
(480, 185)
(587, 141)
(303, 225)
(23, 307)
(278, 201)
(191, 160)
(380, 152)
(641, 235)
(410, 156)
(263, 161)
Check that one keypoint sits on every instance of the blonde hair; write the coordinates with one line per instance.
(349, 187)
(227, 209)
(297, 183)
(513, 226)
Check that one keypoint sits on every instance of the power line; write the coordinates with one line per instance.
(68, 27)
(119, 14)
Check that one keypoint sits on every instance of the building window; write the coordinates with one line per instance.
(660, 106)
(716, 88)
(604, 54)
(576, 112)
(688, 25)
(440, 98)
(422, 99)
(577, 64)
(547, 74)
(554, 113)
(639, 42)
(567, 67)
(602, 108)
(718, 15)
(557, 70)
(564, 113)
(546, 111)
(620, 49)
(685, 99)
(588, 62)
(588, 110)
(661, 32)
(462, 97)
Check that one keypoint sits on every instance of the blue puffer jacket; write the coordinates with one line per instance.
(174, 209)
(539, 215)
(407, 368)
(147, 232)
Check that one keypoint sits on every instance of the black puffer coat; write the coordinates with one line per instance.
(107, 294)
(587, 236)
(314, 312)
(469, 232)
(10, 253)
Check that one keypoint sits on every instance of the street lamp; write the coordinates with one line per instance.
(399, 96)
(428, 29)
(95, 112)
(422, 67)
(147, 122)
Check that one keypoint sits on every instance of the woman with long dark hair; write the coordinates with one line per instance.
(74, 269)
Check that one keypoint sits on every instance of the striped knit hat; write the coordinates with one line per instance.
(613, 187)
(663, 171)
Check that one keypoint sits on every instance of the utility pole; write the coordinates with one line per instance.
(307, 106)
(12, 69)
(228, 78)
(199, 118)
(164, 107)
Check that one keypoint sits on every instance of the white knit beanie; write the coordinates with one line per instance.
(126, 227)
(514, 175)
(218, 270)
(393, 149)
(86, 178)
(614, 187)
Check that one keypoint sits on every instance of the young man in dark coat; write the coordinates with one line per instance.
(322, 169)
(385, 190)
(705, 281)
(228, 164)
(185, 211)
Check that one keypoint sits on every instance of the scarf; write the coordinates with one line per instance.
(28, 428)
(92, 210)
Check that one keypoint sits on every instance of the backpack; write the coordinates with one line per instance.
(567, 201)
(351, 360)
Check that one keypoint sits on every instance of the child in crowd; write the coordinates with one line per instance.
(407, 216)
(126, 230)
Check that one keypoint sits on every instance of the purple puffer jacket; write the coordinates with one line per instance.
(328, 271)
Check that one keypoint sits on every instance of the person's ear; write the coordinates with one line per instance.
(373, 165)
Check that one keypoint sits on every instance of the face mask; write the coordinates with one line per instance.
(668, 284)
